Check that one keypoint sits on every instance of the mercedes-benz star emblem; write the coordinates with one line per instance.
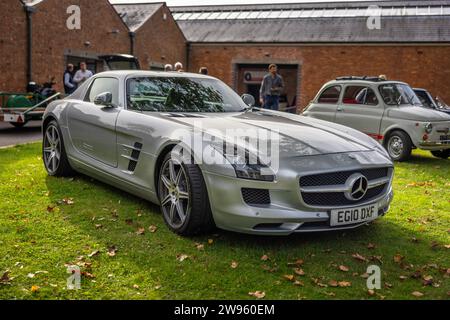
(357, 187)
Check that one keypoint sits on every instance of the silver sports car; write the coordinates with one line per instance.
(189, 143)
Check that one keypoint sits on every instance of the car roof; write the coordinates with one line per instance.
(365, 82)
(148, 73)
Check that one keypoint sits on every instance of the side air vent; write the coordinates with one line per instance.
(135, 156)
(132, 155)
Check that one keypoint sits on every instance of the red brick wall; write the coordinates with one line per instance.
(419, 65)
(12, 46)
(51, 36)
(160, 40)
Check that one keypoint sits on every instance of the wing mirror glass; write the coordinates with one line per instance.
(104, 99)
(248, 99)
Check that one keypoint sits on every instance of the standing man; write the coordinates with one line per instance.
(82, 75)
(271, 88)
(69, 85)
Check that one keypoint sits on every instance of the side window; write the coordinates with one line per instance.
(359, 95)
(101, 85)
(330, 95)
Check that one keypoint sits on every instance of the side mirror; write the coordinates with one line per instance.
(248, 99)
(104, 99)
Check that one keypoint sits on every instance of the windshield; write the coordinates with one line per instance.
(397, 94)
(178, 94)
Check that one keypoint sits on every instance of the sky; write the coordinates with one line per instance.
(218, 2)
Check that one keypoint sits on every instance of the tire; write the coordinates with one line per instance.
(399, 146)
(18, 124)
(53, 145)
(443, 154)
(184, 193)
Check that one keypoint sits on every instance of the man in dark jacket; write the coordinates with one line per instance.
(69, 85)
(272, 87)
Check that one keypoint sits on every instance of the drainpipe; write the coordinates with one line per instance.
(132, 41)
(29, 11)
(188, 54)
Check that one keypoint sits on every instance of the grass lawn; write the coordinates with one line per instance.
(48, 223)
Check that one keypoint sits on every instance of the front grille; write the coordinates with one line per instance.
(337, 178)
(326, 199)
(256, 196)
(330, 198)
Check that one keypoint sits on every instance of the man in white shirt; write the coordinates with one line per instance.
(82, 75)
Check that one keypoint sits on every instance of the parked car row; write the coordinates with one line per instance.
(391, 112)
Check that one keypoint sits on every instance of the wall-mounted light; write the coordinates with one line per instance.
(87, 43)
(115, 31)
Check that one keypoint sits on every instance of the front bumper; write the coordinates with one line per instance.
(286, 214)
(435, 145)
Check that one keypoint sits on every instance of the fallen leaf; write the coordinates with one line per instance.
(388, 285)
(35, 289)
(299, 283)
(427, 280)
(371, 292)
(289, 277)
(30, 275)
(112, 251)
(359, 257)
(330, 294)
(447, 246)
(152, 229)
(296, 263)
(398, 258)
(403, 277)
(299, 272)
(210, 241)
(182, 257)
(417, 294)
(98, 226)
(234, 264)
(333, 283)
(200, 246)
(129, 221)
(377, 258)
(68, 201)
(371, 246)
(344, 268)
(87, 274)
(344, 284)
(93, 253)
(135, 286)
(257, 294)
(265, 257)
(5, 277)
(140, 231)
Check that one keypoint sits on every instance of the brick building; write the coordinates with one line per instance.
(157, 38)
(316, 42)
(43, 53)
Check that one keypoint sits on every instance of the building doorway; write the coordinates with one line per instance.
(250, 76)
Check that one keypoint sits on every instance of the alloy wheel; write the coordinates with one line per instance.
(174, 193)
(52, 149)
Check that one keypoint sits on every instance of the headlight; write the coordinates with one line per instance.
(382, 150)
(428, 128)
(245, 170)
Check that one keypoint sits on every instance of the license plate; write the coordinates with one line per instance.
(10, 117)
(343, 217)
